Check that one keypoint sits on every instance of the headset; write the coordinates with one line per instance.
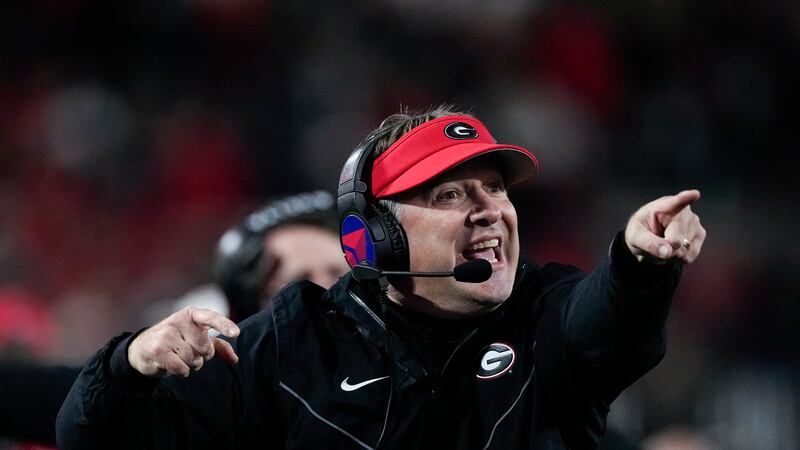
(368, 232)
(241, 265)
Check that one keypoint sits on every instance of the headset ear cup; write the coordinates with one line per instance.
(240, 270)
(397, 253)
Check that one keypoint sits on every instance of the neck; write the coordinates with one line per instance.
(401, 293)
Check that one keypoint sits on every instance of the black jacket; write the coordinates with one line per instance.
(31, 394)
(321, 370)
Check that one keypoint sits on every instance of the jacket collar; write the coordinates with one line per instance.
(357, 301)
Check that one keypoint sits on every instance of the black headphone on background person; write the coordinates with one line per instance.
(367, 231)
(241, 265)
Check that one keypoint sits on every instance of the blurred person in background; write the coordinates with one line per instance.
(270, 249)
(30, 394)
(430, 189)
(254, 260)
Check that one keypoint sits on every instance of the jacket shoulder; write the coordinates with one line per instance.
(288, 308)
(296, 298)
(550, 275)
(296, 309)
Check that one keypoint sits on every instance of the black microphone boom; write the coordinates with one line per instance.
(472, 271)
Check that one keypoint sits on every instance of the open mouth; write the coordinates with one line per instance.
(488, 250)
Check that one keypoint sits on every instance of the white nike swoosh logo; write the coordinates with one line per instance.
(347, 387)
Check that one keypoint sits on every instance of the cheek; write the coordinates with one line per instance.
(430, 240)
(510, 217)
(422, 247)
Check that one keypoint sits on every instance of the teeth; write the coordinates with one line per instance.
(485, 244)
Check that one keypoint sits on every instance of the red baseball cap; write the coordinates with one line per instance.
(439, 145)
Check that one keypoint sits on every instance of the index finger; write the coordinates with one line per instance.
(675, 203)
(212, 319)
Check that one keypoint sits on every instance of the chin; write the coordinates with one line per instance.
(489, 293)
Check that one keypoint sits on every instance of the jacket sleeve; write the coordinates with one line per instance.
(598, 334)
(613, 321)
(113, 406)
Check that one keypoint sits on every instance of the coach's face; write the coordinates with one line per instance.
(462, 215)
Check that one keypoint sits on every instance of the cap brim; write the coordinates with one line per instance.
(517, 165)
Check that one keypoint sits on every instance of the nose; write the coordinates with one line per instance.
(485, 210)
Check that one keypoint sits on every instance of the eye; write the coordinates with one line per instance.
(448, 195)
(496, 187)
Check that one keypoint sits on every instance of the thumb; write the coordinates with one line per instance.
(643, 243)
(224, 351)
(659, 247)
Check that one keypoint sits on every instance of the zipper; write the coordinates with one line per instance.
(435, 390)
(388, 408)
(366, 308)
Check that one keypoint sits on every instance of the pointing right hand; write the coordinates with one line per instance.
(180, 343)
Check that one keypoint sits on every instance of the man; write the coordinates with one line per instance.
(269, 249)
(255, 258)
(530, 358)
